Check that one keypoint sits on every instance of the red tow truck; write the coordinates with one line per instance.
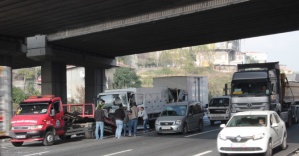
(41, 118)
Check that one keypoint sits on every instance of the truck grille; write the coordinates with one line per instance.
(217, 111)
(21, 127)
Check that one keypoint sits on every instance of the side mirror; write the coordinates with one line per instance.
(52, 113)
(222, 125)
(207, 105)
(274, 125)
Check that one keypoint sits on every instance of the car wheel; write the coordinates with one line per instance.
(185, 129)
(200, 125)
(284, 142)
(17, 144)
(223, 154)
(269, 149)
(211, 122)
(49, 138)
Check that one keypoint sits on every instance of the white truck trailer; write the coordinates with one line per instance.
(153, 99)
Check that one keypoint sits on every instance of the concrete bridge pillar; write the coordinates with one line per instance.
(54, 79)
(95, 82)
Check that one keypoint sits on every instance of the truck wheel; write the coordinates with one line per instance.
(49, 138)
(289, 122)
(88, 134)
(200, 125)
(211, 122)
(17, 144)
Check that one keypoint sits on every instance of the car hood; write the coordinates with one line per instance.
(27, 119)
(170, 118)
(242, 131)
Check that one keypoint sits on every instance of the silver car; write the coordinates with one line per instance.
(180, 118)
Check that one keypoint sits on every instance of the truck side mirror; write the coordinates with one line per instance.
(52, 113)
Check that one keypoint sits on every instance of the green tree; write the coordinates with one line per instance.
(18, 95)
(31, 90)
(125, 78)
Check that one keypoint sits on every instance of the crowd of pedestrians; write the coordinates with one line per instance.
(124, 119)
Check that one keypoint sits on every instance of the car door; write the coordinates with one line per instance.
(191, 118)
(274, 130)
(280, 128)
(57, 120)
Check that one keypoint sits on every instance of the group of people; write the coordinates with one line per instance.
(123, 118)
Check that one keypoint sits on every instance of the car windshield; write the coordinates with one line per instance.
(248, 121)
(174, 111)
(219, 102)
(32, 109)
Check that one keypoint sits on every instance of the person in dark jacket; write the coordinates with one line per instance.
(119, 118)
(99, 118)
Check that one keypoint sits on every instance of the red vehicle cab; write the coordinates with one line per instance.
(38, 118)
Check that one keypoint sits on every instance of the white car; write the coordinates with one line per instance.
(245, 132)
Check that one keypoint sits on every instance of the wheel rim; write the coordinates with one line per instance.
(50, 138)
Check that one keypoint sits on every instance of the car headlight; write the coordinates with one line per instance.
(258, 136)
(178, 122)
(157, 122)
(222, 137)
(35, 127)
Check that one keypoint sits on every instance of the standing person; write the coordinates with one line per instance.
(133, 119)
(145, 119)
(126, 121)
(99, 118)
(119, 117)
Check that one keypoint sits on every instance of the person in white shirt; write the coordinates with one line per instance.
(144, 116)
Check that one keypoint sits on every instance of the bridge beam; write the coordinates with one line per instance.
(38, 49)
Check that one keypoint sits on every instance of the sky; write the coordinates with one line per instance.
(283, 47)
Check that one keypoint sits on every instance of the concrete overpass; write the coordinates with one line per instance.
(92, 33)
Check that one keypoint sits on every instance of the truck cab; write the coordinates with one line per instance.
(38, 118)
(218, 109)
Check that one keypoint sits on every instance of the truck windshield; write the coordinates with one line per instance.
(114, 99)
(216, 102)
(174, 111)
(248, 121)
(249, 88)
(32, 108)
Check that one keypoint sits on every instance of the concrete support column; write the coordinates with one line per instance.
(54, 79)
(95, 81)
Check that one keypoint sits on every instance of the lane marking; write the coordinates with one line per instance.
(40, 153)
(201, 133)
(118, 152)
(203, 153)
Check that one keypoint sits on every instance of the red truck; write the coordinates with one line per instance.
(41, 118)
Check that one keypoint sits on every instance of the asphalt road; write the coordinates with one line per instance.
(149, 144)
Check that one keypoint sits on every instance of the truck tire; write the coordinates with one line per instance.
(289, 122)
(88, 134)
(17, 144)
(49, 138)
(212, 122)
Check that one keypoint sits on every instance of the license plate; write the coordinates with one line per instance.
(21, 136)
(166, 127)
(238, 145)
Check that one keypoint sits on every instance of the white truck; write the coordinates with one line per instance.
(5, 101)
(153, 99)
(219, 109)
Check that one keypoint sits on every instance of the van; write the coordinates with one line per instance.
(180, 117)
(219, 109)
